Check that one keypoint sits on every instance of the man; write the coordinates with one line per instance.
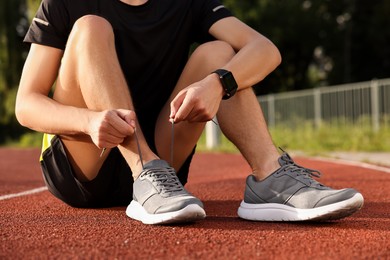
(127, 99)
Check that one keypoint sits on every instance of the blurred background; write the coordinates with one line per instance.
(331, 91)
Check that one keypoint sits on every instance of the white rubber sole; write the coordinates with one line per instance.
(190, 213)
(280, 212)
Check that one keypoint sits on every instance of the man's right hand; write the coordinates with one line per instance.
(110, 128)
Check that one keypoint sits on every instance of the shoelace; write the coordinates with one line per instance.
(306, 173)
(291, 165)
(303, 170)
(173, 138)
(139, 147)
(165, 179)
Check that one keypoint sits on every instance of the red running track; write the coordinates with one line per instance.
(41, 227)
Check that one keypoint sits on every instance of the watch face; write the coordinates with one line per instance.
(229, 83)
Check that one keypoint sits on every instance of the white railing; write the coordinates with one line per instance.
(348, 104)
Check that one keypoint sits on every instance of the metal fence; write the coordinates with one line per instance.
(342, 104)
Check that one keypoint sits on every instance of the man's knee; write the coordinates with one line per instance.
(215, 51)
(92, 27)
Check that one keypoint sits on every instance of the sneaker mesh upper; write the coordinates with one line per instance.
(293, 185)
(159, 190)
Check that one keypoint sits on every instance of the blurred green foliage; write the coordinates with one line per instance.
(331, 136)
(323, 42)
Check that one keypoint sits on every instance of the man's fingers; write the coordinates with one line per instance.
(127, 115)
(183, 105)
(123, 122)
(184, 111)
(176, 105)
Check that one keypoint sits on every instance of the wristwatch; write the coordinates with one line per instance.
(228, 82)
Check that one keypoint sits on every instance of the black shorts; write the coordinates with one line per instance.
(112, 187)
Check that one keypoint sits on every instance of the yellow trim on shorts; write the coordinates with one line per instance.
(46, 143)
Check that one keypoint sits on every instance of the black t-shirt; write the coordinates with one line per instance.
(152, 40)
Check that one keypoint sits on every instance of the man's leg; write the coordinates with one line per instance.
(241, 120)
(205, 59)
(280, 190)
(91, 77)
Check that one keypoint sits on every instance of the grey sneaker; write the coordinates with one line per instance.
(160, 198)
(291, 194)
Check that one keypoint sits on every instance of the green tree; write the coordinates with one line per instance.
(321, 41)
(297, 28)
(13, 25)
(363, 52)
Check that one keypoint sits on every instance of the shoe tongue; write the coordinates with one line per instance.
(285, 159)
(156, 164)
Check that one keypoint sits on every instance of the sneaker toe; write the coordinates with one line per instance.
(180, 204)
(338, 196)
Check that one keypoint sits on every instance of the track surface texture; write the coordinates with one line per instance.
(39, 226)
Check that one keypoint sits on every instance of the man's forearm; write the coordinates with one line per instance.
(254, 62)
(44, 114)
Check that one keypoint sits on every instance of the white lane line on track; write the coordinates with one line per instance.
(23, 193)
(353, 163)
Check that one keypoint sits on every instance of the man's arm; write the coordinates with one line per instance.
(255, 58)
(256, 55)
(37, 111)
(34, 108)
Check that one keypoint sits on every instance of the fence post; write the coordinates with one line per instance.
(317, 107)
(375, 105)
(212, 135)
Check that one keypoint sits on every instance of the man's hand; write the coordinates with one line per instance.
(110, 128)
(198, 102)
